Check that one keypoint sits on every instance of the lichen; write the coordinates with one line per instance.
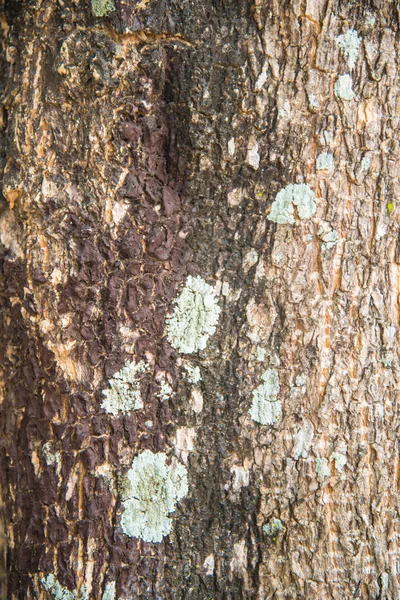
(151, 490)
(54, 587)
(192, 373)
(124, 393)
(109, 591)
(325, 161)
(303, 440)
(273, 527)
(340, 460)
(296, 194)
(102, 8)
(51, 457)
(195, 316)
(329, 238)
(165, 391)
(349, 43)
(322, 468)
(266, 408)
(313, 100)
(344, 87)
(260, 354)
(365, 163)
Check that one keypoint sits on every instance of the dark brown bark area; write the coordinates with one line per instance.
(132, 115)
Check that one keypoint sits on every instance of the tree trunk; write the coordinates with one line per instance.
(199, 294)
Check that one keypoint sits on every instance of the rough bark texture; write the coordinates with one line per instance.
(147, 146)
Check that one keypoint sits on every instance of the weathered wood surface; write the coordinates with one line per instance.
(144, 147)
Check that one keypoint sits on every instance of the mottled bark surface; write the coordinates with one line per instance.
(147, 146)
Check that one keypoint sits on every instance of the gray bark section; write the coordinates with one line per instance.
(148, 146)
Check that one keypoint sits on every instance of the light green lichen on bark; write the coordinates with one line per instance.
(193, 374)
(322, 468)
(102, 8)
(344, 87)
(349, 43)
(151, 491)
(109, 591)
(123, 396)
(325, 161)
(273, 527)
(266, 408)
(296, 194)
(54, 587)
(195, 316)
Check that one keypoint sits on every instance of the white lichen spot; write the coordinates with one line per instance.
(193, 374)
(349, 43)
(329, 238)
(231, 147)
(313, 101)
(340, 460)
(365, 164)
(109, 591)
(151, 491)
(261, 353)
(51, 457)
(344, 87)
(301, 380)
(297, 194)
(124, 393)
(273, 527)
(266, 408)
(184, 442)
(149, 424)
(54, 587)
(241, 478)
(325, 161)
(322, 468)
(195, 316)
(165, 391)
(102, 8)
(327, 137)
(303, 440)
(209, 565)
(253, 156)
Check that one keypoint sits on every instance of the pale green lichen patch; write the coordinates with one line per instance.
(260, 354)
(325, 161)
(109, 591)
(151, 490)
(54, 587)
(51, 457)
(124, 395)
(266, 408)
(322, 468)
(102, 8)
(329, 238)
(340, 460)
(192, 373)
(344, 87)
(365, 164)
(195, 316)
(349, 43)
(165, 391)
(273, 527)
(297, 194)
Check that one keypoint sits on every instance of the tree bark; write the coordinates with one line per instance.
(250, 146)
